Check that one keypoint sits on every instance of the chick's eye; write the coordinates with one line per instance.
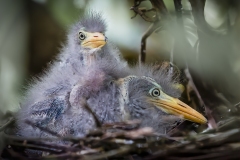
(155, 92)
(82, 36)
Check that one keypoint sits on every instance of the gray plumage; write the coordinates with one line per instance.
(57, 101)
(47, 96)
(60, 108)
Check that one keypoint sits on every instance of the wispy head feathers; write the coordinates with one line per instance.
(91, 22)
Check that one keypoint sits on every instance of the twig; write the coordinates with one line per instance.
(113, 153)
(142, 11)
(9, 122)
(160, 9)
(16, 155)
(211, 120)
(150, 30)
(199, 18)
(44, 129)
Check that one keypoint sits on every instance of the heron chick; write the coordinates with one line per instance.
(86, 42)
(113, 94)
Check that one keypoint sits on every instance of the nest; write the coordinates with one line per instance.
(126, 140)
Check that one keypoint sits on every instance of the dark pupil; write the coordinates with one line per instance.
(82, 36)
(156, 92)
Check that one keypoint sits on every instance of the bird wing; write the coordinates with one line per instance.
(48, 110)
(44, 118)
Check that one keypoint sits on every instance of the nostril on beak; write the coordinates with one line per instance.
(95, 36)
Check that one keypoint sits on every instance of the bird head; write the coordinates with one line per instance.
(88, 33)
(142, 94)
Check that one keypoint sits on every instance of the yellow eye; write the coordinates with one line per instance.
(82, 36)
(155, 92)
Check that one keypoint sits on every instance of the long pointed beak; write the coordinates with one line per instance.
(176, 107)
(94, 40)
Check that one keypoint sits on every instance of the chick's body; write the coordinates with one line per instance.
(47, 100)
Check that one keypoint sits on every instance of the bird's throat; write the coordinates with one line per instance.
(90, 56)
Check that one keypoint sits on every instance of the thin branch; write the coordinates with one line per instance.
(211, 120)
(199, 18)
(8, 123)
(44, 129)
(161, 10)
(150, 30)
(142, 11)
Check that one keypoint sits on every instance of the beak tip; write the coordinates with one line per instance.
(176, 107)
(204, 120)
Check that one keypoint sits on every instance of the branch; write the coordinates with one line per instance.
(142, 56)
(160, 10)
(7, 124)
(199, 19)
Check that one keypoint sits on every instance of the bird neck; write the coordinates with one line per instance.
(89, 55)
(78, 55)
(123, 100)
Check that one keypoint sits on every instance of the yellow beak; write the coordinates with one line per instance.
(94, 40)
(176, 107)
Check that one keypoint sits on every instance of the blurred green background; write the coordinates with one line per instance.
(32, 31)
